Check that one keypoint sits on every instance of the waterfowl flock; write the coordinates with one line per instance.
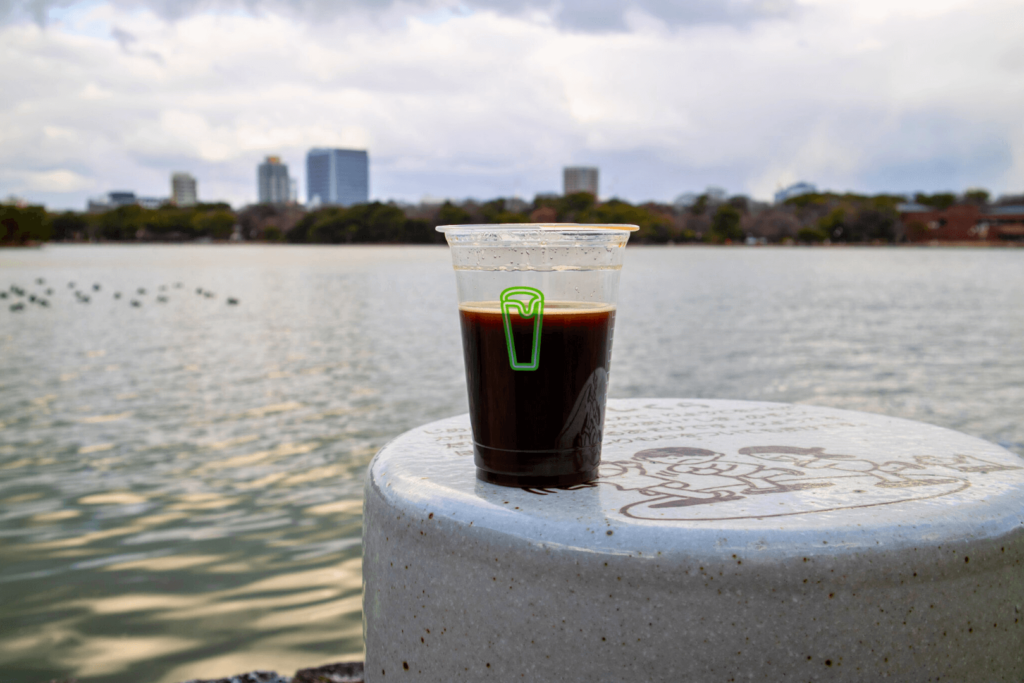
(20, 299)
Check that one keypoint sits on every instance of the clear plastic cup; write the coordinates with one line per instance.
(537, 308)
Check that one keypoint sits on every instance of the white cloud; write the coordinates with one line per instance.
(58, 180)
(867, 96)
(574, 15)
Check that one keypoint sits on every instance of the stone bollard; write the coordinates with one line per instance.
(724, 540)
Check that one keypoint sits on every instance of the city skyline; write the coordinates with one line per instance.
(664, 98)
(573, 182)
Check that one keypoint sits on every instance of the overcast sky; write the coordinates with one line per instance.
(486, 99)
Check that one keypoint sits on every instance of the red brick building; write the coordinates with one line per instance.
(963, 223)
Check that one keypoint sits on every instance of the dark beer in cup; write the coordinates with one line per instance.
(537, 361)
(541, 427)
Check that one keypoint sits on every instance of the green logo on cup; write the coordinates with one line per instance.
(529, 303)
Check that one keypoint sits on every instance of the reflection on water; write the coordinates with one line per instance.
(180, 483)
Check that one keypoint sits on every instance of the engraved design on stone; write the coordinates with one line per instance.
(667, 482)
(658, 467)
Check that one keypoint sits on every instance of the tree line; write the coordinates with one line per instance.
(815, 219)
(711, 219)
(27, 224)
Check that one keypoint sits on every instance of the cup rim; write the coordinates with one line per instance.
(552, 227)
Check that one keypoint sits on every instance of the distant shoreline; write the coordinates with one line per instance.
(807, 219)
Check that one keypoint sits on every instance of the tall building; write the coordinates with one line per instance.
(337, 176)
(183, 189)
(579, 179)
(274, 184)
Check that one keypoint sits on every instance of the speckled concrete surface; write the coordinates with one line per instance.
(724, 541)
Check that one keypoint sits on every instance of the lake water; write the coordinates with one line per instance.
(181, 482)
